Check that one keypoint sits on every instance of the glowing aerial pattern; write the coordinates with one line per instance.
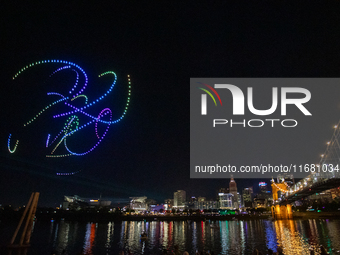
(9, 144)
(73, 124)
(68, 173)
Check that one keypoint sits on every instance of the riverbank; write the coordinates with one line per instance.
(316, 215)
(107, 217)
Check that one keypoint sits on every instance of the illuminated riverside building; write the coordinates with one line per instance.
(168, 204)
(156, 208)
(138, 203)
(76, 202)
(180, 199)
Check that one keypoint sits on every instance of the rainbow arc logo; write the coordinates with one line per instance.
(204, 97)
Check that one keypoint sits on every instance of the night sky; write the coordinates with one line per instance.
(161, 45)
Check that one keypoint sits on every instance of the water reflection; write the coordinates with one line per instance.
(222, 237)
(89, 238)
(63, 236)
(110, 227)
(289, 239)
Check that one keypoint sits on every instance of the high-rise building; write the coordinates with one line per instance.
(239, 200)
(247, 197)
(233, 190)
(263, 187)
(221, 190)
(265, 197)
(179, 199)
(226, 200)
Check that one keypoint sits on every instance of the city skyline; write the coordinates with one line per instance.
(225, 200)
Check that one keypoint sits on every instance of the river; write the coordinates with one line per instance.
(220, 237)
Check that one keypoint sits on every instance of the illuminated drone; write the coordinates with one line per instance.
(72, 123)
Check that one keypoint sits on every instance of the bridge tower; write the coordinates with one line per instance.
(280, 211)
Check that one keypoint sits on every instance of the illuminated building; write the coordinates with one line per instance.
(202, 203)
(208, 204)
(192, 203)
(201, 199)
(233, 190)
(72, 199)
(247, 197)
(260, 203)
(225, 200)
(168, 204)
(264, 198)
(193, 199)
(263, 187)
(239, 199)
(179, 199)
(138, 203)
(156, 208)
(76, 202)
(150, 201)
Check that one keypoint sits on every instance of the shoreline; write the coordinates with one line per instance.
(107, 217)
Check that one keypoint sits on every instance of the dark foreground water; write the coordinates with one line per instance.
(221, 237)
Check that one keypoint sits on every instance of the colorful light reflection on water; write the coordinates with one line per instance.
(222, 237)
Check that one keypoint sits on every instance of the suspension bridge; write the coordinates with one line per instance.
(323, 176)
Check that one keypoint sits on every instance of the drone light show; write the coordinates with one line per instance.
(75, 111)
